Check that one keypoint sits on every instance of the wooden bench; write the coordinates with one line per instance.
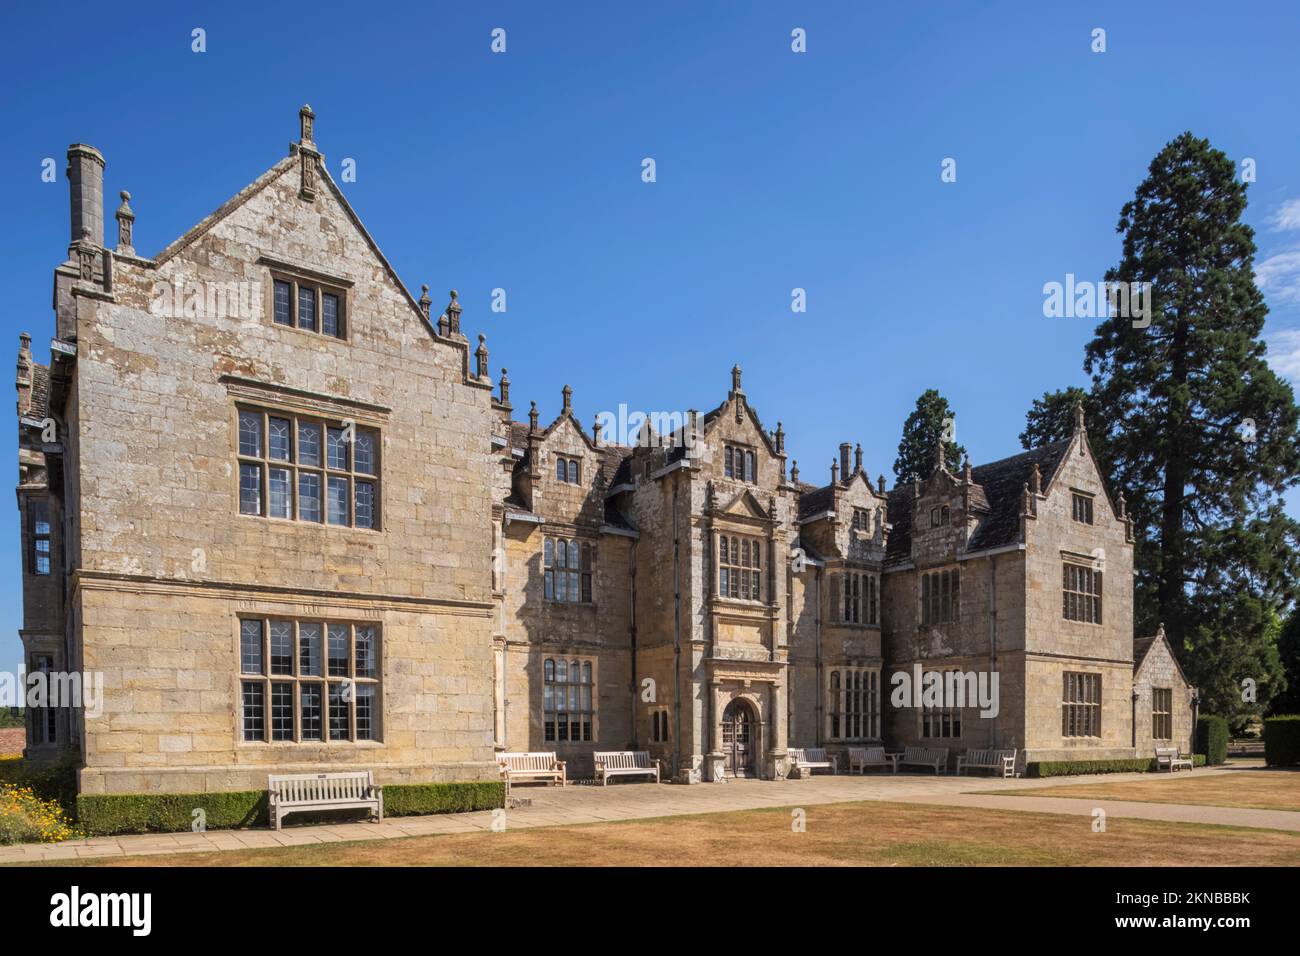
(541, 766)
(1003, 761)
(299, 793)
(807, 759)
(1168, 758)
(625, 763)
(860, 758)
(934, 757)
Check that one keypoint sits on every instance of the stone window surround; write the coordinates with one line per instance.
(838, 701)
(756, 570)
(572, 465)
(323, 283)
(1084, 565)
(298, 679)
(1162, 713)
(325, 420)
(34, 505)
(935, 717)
(586, 570)
(593, 712)
(748, 461)
(868, 588)
(660, 732)
(1081, 506)
(929, 594)
(1079, 709)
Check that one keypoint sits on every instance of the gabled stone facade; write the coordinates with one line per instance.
(301, 530)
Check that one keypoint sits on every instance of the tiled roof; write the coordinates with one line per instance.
(998, 492)
(1141, 647)
(815, 501)
(40, 390)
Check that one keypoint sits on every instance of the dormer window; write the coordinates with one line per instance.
(568, 470)
(939, 516)
(738, 464)
(861, 520)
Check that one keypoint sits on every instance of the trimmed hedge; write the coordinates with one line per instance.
(104, 814)
(1074, 768)
(1212, 738)
(417, 799)
(1282, 740)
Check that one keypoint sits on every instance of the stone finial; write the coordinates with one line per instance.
(794, 472)
(835, 471)
(125, 225)
(780, 439)
(1122, 505)
(940, 459)
(1078, 416)
(1026, 502)
(595, 430)
(965, 470)
(532, 416)
(481, 355)
(444, 327)
(306, 119)
(505, 387)
(880, 484)
(425, 301)
(857, 459)
(566, 394)
(735, 377)
(1036, 480)
(1160, 631)
(453, 314)
(25, 344)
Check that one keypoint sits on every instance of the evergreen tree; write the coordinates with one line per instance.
(1200, 434)
(1051, 418)
(931, 419)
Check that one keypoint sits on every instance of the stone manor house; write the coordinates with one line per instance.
(281, 506)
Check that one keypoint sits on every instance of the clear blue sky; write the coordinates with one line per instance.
(775, 170)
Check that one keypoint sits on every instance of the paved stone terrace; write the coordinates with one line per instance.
(538, 806)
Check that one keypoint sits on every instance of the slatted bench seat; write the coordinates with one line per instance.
(539, 766)
(299, 793)
(933, 757)
(807, 759)
(1002, 761)
(1168, 758)
(860, 758)
(625, 763)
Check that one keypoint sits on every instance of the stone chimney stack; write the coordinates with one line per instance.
(24, 379)
(86, 183)
(846, 449)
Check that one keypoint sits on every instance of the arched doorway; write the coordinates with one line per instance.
(739, 738)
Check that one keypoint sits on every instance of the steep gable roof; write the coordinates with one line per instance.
(998, 490)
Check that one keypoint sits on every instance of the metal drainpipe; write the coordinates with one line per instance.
(677, 639)
(993, 642)
(819, 697)
(631, 617)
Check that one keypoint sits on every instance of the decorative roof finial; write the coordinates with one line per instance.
(880, 485)
(505, 386)
(1026, 506)
(595, 430)
(125, 225)
(1078, 416)
(835, 471)
(425, 301)
(857, 459)
(1036, 480)
(481, 354)
(567, 394)
(1160, 631)
(780, 439)
(965, 470)
(940, 454)
(735, 377)
(532, 417)
(794, 472)
(453, 315)
(1123, 506)
(306, 119)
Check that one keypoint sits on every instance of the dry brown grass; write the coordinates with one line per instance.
(1250, 789)
(854, 834)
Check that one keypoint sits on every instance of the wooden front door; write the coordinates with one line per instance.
(738, 739)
